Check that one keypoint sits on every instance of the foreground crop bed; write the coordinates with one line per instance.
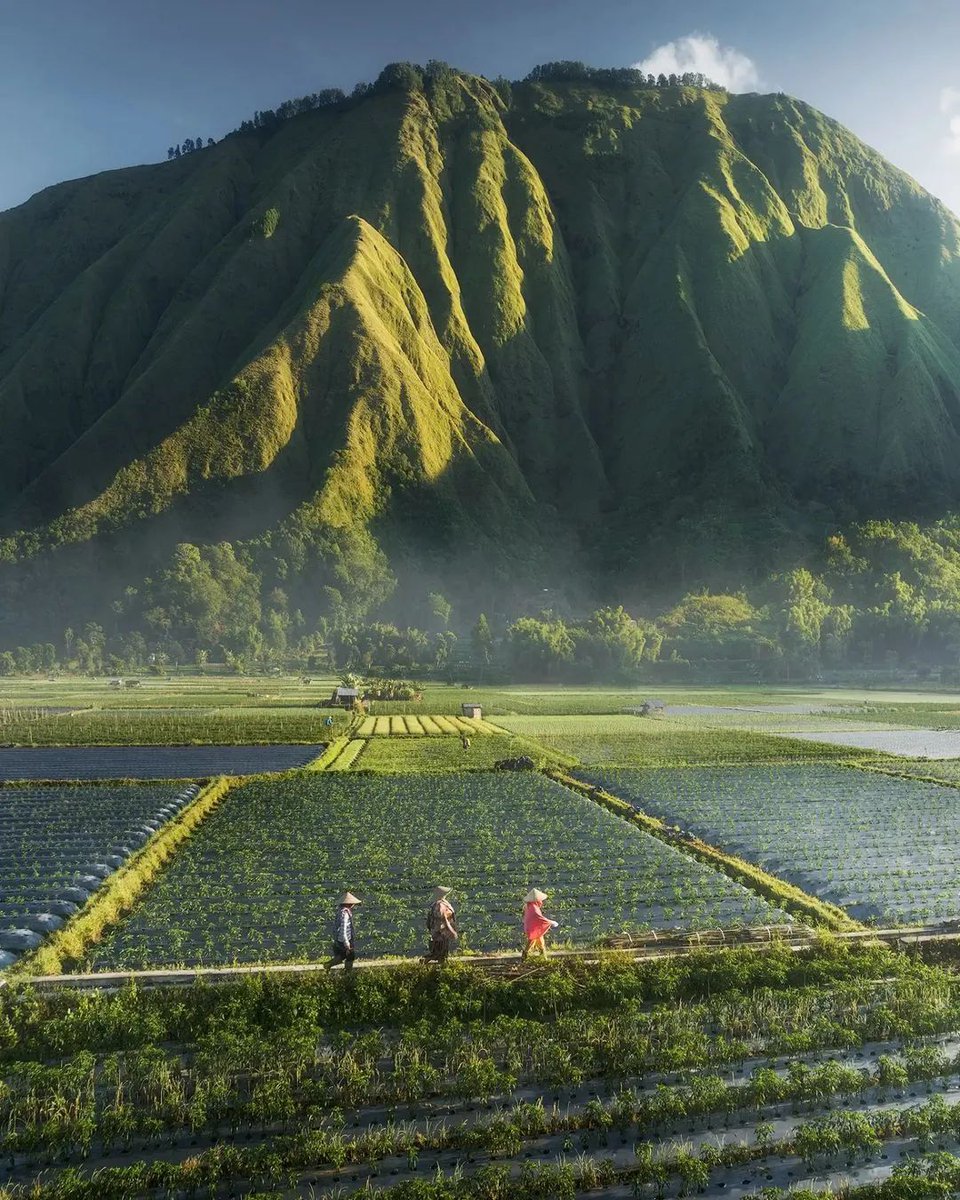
(882, 847)
(259, 879)
(59, 844)
(721, 1073)
(149, 762)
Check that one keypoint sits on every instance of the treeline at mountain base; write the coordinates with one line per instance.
(883, 597)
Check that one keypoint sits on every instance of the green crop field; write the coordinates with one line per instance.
(882, 847)
(259, 881)
(58, 846)
(558, 1079)
(174, 691)
(389, 754)
(946, 770)
(728, 1071)
(171, 726)
(663, 741)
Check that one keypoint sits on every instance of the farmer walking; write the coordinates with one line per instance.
(442, 926)
(535, 924)
(343, 947)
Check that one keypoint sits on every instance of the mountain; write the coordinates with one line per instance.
(474, 337)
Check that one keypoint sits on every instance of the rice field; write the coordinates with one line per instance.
(730, 1073)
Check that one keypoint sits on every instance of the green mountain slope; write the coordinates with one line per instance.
(474, 339)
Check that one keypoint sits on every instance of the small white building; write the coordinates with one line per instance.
(473, 711)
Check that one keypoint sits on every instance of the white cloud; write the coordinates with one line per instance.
(702, 52)
(949, 103)
(949, 99)
(951, 144)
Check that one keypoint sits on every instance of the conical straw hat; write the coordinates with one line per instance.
(440, 893)
(350, 898)
(534, 895)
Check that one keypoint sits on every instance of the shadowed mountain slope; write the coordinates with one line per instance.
(476, 339)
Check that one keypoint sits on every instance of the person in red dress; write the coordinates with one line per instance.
(535, 924)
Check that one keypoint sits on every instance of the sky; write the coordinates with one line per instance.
(91, 85)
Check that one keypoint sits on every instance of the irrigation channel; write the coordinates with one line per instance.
(650, 947)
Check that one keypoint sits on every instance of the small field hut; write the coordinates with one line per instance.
(344, 697)
(473, 711)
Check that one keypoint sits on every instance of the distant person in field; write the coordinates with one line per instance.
(344, 950)
(535, 925)
(442, 926)
(464, 741)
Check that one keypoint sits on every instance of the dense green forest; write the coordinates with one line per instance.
(885, 596)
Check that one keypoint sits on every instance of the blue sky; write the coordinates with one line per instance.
(88, 85)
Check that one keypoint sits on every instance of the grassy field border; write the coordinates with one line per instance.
(884, 769)
(325, 760)
(353, 750)
(123, 888)
(771, 887)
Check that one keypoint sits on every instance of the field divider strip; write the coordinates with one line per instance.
(506, 964)
(770, 887)
(361, 749)
(324, 761)
(883, 769)
(123, 888)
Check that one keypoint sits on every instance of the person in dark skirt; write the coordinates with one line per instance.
(442, 926)
(343, 947)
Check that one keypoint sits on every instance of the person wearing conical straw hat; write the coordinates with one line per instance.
(344, 950)
(441, 925)
(535, 925)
